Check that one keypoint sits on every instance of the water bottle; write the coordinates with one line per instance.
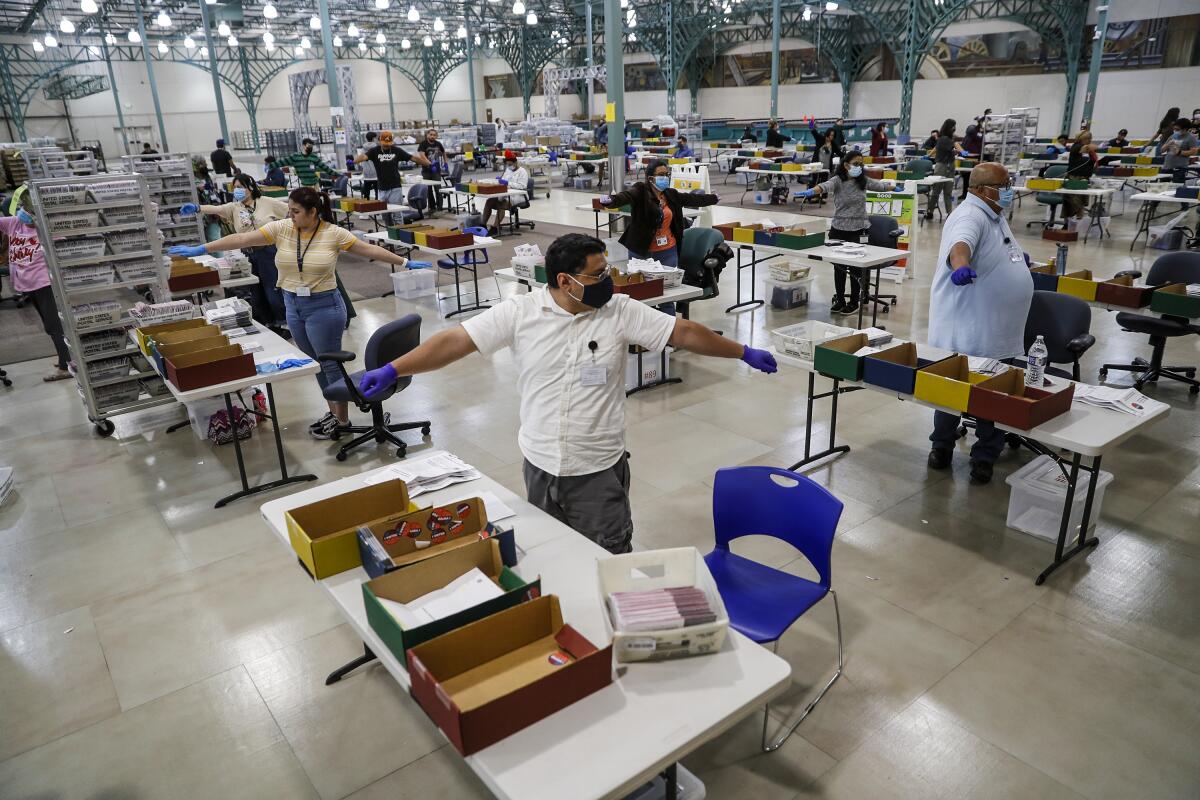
(1060, 260)
(1036, 363)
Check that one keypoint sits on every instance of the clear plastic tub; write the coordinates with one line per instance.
(785, 271)
(87, 276)
(80, 247)
(410, 284)
(1038, 494)
(73, 221)
(799, 340)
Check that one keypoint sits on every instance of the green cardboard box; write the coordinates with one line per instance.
(802, 242)
(835, 358)
(1173, 300)
(409, 583)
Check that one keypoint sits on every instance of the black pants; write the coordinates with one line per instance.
(368, 187)
(858, 284)
(43, 301)
(270, 309)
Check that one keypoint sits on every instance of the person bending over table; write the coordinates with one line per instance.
(978, 303)
(1179, 149)
(307, 246)
(848, 188)
(386, 159)
(517, 178)
(249, 211)
(569, 341)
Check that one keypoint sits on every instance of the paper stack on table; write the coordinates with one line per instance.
(1127, 400)
(227, 313)
(6, 483)
(465, 591)
(660, 609)
(1193, 289)
(435, 471)
(985, 366)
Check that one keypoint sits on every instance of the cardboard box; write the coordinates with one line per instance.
(148, 333)
(1121, 292)
(766, 236)
(408, 233)
(162, 352)
(835, 357)
(1188, 192)
(1078, 284)
(406, 585)
(489, 188)
(209, 367)
(1006, 399)
(363, 206)
(448, 239)
(636, 285)
(491, 678)
(1045, 279)
(1145, 172)
(423, 533)
(1173, 300)
(1122, 172)
(799, 239)
(895, 368)
(745, 233)
(726, 230)
(1059, 235)
(1044, 184)
(187, 278)
(530, 272)
(947, 383)
(323, 533)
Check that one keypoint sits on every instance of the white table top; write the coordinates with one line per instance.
(610, 742)
(1094, 191)
(391, 209)
(691, 213)
(872, 256)
(1085, 429)
(274, 347)
(676, 294)
(1160, 197)
(518, 193)
(481, 242)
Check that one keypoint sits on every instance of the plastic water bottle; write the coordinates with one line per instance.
(1060, 260)
(1036, 363)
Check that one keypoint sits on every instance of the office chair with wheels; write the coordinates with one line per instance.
(764, 602)
(514, 223)
(1181, 267)
(386, 344)
(883, 232)
(702, 256)
(418, 201)
(1052, 199)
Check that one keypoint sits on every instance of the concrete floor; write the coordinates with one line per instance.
(151, 646)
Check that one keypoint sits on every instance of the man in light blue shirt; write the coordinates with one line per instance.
(978, 302)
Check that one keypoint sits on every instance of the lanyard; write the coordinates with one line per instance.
(300, 253)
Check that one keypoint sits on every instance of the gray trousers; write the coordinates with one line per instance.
(596, 505)
(945, 190)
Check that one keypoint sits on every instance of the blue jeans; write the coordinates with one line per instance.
(989, 440)
(316, 323)
(668, 258)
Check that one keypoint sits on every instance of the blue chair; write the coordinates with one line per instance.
(763, 602)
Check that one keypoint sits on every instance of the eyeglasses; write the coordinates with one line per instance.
(1006, 185)
(591, 278)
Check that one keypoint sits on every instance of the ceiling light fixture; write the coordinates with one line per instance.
(231, 41)
(93, 51)
(831, 6)
(268, 37)
(352, 31)
(531, 19)
(445, 45)
(413, 14)
(37, 46)
(133, 36)
(337, 41)
(204, 52)
(110, 39)
(518, 8)
(88, 6)
(270, 12)
(314, 22)
(162, 20)
(50, 40)
(427, 41)
(380, 38)
(362, 46)
(438, 25)
(66, 26)
(807, 15)
(478, 40)
(383, 5)
(405, 44)
(162, 48)
(298, 51)
(461, 33)
(223, 28)
(189, 43)
(270, 47)
(305, 42)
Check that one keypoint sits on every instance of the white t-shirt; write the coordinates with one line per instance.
(517, 178)
(572, 396)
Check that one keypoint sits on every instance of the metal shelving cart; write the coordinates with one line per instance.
(1006, 135)
(46, 162)
(172, 185)
(103, 252)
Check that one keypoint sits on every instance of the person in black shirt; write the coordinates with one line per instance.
(931, 142)
(1081, 163)
(774, 137)
(748, 135)
(435, 155)
(387, 158)
(147, 150)
(1120, 139)
(222, 161)
(839, 136)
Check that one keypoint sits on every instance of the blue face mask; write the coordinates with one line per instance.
(854, 172)
(662, 182)
(1004, 197)
(24, 216)
(239, 194)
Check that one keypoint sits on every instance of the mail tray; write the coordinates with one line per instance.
(406, 585)
(835, 357)
(324, 533)
(1173, 300)
(639, 289)
(947, 383)
(490, 679)
(1120, 291)
(209, 367)
(1007, 400)
(895, 368)
(152, 332)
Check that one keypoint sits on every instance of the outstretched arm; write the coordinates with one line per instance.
(695, 338)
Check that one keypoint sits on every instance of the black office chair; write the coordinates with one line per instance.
(1064, 323)
(514, 223)
(702, 257)
(883, 232)
(386, 344)
(1179, 267)
(1052, 199)
(418, 201)
(920, 168)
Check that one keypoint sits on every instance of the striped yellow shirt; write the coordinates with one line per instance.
(320, 257)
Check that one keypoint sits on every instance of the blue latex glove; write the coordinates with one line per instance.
(188, 209)
(965, 154)
(434, 168)
(761, 360)
(962, 276)
(187, 250)
(419, 264)
(377, 381)
(804, 193)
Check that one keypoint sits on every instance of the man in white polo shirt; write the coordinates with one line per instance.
(569, 341)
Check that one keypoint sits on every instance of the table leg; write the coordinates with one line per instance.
(1082, 542)
(475, 306)
(809, 456)
(752, 302)
(1148, 210)
(284, 478)
(662, 372)
(672, 783)
(366, 658)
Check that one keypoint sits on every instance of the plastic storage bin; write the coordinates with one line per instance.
(108, 368)
(66, 194)
(410, 284)
(800, 339)
(95, 315)
(1039, 490)
(787, 271)
(790, 294)
(117, 394)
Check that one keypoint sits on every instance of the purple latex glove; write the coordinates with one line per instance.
(761, 360)
(606, 200)
(377, 381)
(962, 276)
(187, 250)
(433, 168)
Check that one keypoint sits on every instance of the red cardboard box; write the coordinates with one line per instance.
(209, 367)
(726, 231)
(1121, 292)
(370, 205)
(636, 285)
(1059, 235)
(489, 679)
(447, 240)
(1007, 400)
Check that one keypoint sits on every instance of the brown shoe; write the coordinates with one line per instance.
(57, 375)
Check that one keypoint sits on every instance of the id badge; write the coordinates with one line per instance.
(660, 241)
(1016, 256)
(303, 291)
(593, 376)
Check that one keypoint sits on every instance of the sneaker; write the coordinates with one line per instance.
(322, 422)
(981, 472)
(837, 306)
(328, 425)
(850, 308)
(939, 458)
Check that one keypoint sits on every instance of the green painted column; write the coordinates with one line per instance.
(112, 80)
(10, 95)
(1089, 99)
(391, 101)
(470, 62)
(591, 61)
(212, 68)
(162, 129)
(335, 92)
(776, 24)
(614, 60)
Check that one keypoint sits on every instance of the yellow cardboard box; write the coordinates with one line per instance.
(1079, 284)
(324, 533)
(947, 383)
(1044, 184)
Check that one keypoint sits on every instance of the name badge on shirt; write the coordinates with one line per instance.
(303, 291)
(593, 376)
(660, 241)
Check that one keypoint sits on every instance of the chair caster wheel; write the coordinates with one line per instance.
(401, 452)
(1191, 373)
(885, 310)
(1103, 374)
(105, 427)
(1194, 390)
(1138, 385)
(425, 430)
(532, 226)
(1012, 440)
(962, 431)
(893, 302)
(341, 456)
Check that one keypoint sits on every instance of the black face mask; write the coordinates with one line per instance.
(308, 150)
(596, 294)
